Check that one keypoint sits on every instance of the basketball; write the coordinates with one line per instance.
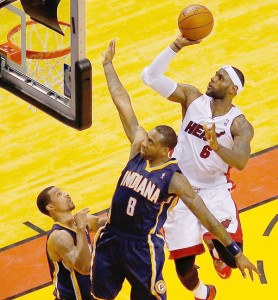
(195, 22)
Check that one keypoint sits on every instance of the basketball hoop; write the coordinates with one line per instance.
(46, 52)
(31, 28)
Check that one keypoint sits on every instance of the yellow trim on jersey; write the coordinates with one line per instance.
(176, 198)
(97, 297)
(153, 262)
(173, 204)
(74, 282)
(95, 242)
(109, 214)
(94, 253)
(150, 169)
(152, 231)
(76, 286)
(55, 278)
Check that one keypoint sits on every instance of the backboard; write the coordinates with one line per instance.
(43, 57)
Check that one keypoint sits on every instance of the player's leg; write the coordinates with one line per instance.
(144, 264)
(222, 206)
(188, 275)
(187, 272)
(222, 269)
(183, 236)
(107, 274)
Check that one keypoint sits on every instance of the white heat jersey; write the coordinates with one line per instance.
(202, 166)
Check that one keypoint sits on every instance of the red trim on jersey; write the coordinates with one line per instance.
(194, 250)
(229, 180)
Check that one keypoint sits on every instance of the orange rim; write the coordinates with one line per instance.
(39, 54)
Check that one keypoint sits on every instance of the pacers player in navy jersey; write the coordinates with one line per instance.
(68, 246)
(214, 136)
(130, 245)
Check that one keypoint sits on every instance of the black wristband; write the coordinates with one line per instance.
(234, 248)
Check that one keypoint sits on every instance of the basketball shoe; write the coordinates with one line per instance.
(222, 269)
(211, 293)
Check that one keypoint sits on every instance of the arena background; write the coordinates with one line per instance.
(37, 151)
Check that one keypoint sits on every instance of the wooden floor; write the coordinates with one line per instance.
(37, 151)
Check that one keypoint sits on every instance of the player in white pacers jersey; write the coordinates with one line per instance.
(214, 136)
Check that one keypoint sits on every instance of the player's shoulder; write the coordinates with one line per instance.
(140, 136)
(185, 94)
(242, 120)
(135, 157)
(57, 237)
(173, 165)
(178, 184)
(59, 242)
(242, 126)
(199, 100)
(191, 91)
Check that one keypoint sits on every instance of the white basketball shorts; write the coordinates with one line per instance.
(184, 233)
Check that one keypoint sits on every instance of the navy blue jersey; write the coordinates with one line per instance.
(141, 199)
(69, 284)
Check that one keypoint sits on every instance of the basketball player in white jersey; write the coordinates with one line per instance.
(213, 137)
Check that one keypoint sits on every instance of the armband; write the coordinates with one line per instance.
(234, 248)
(153, 75)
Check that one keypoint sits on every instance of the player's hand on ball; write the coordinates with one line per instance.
(109, 54)
(183, 42)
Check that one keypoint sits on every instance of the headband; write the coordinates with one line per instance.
(234, 77)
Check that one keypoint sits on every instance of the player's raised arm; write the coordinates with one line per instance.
(119, 94)
(153, 75)
(121, 99)
(180, 186)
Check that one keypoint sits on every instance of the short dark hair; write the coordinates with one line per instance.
(169, 139)
(43, 200)
(240, 75)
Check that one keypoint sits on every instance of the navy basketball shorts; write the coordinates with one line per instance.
(139, 259)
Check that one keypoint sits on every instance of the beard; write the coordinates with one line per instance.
(143, 155)
(215, 94)
(211, 94)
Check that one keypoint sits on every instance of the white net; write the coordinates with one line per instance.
(46, 53)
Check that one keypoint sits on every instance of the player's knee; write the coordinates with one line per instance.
(209, 244)
(187, 271)
(185, 265)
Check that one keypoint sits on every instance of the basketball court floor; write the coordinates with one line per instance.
(37, 151)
